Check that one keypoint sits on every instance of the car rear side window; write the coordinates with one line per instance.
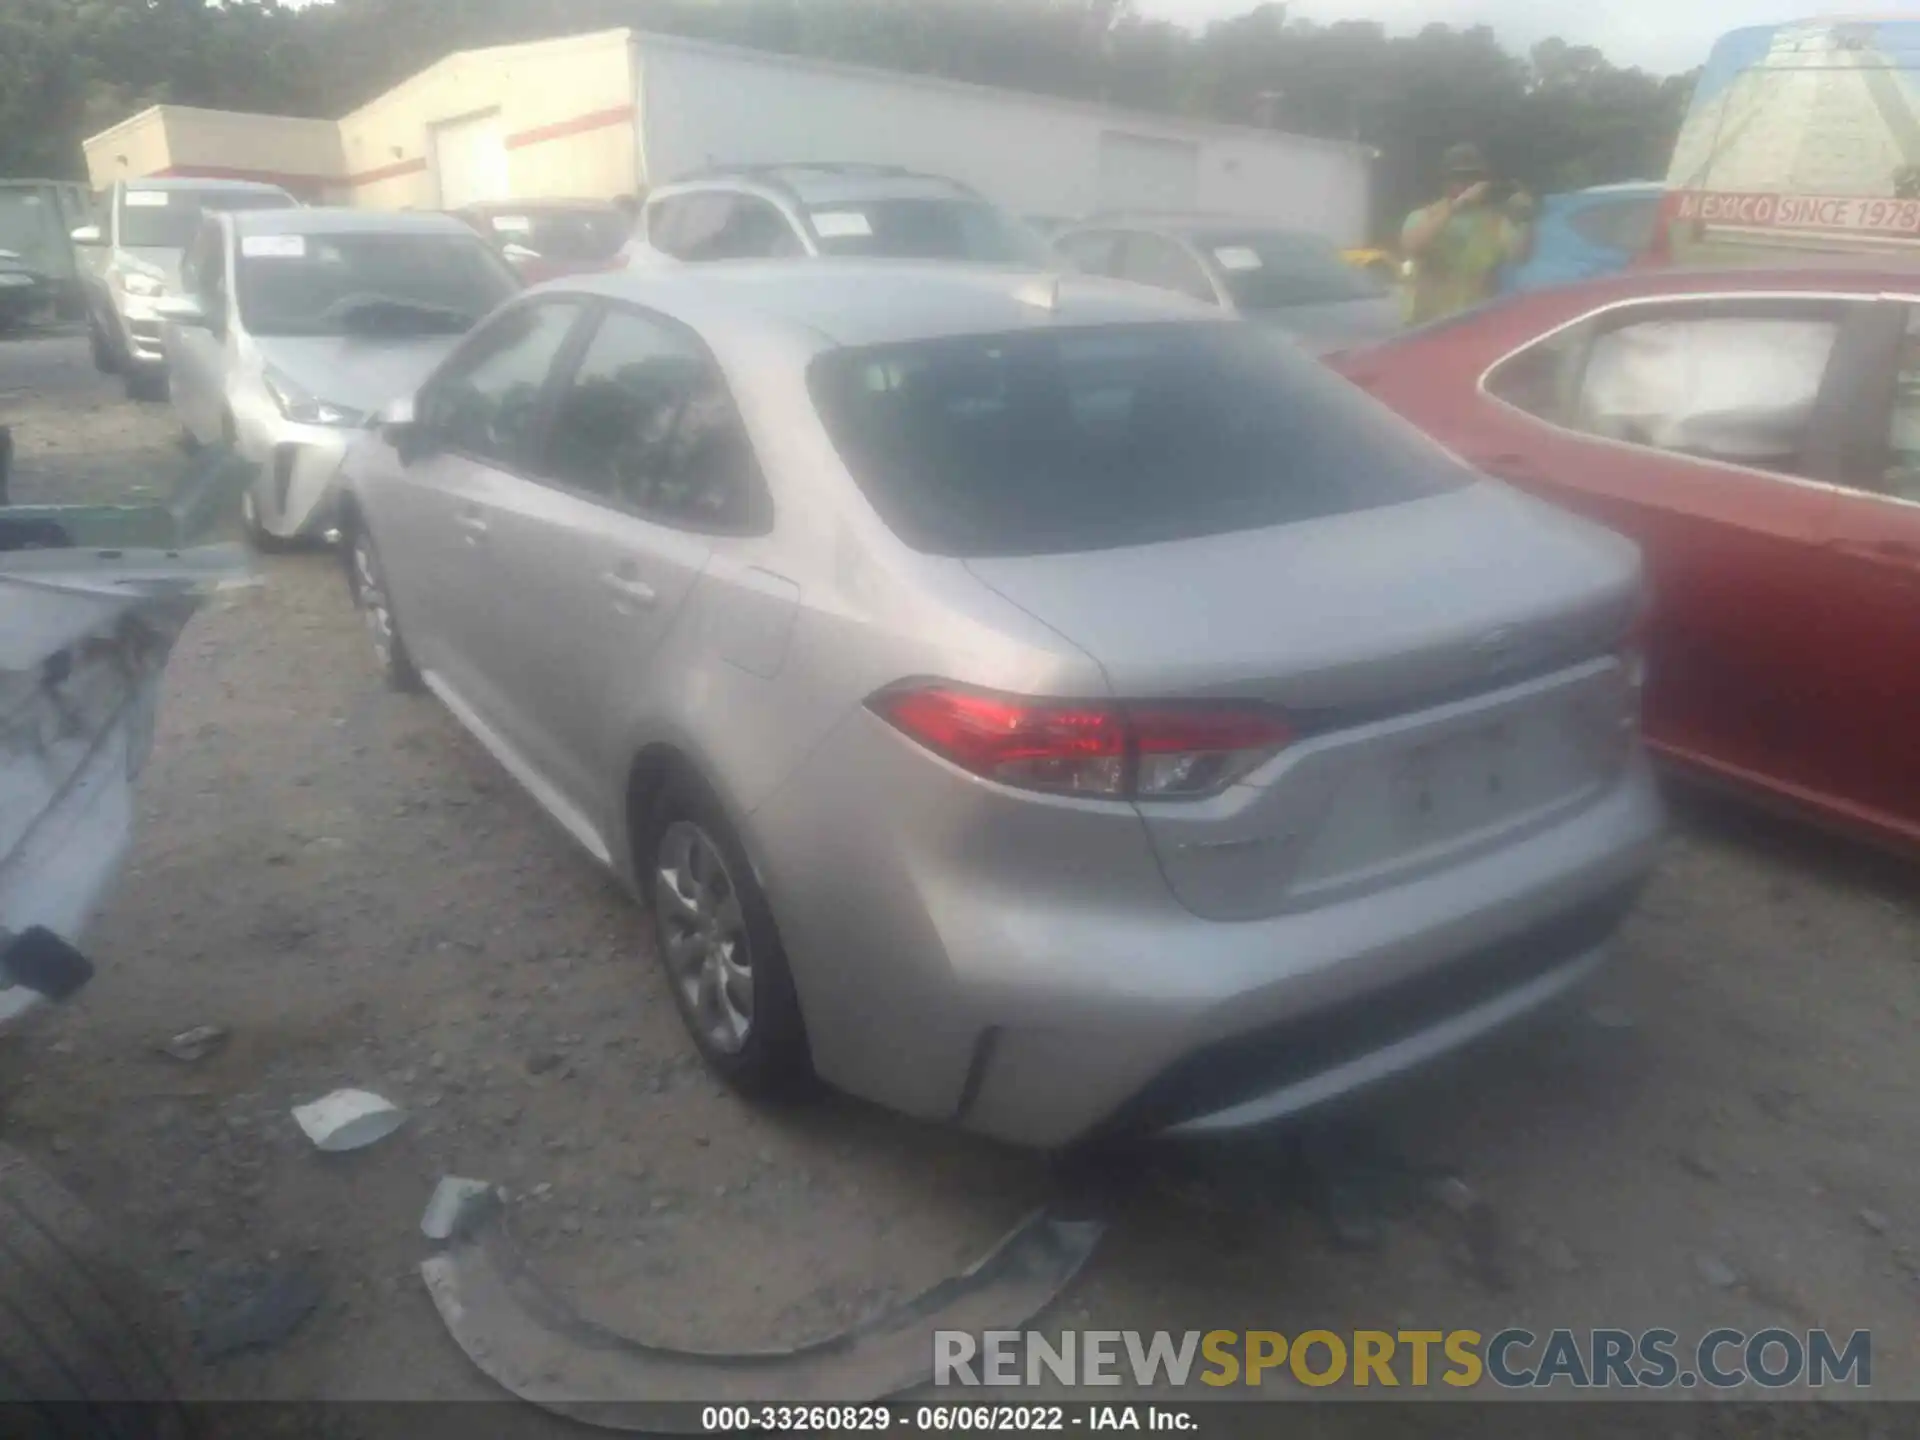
(647, 422)
(1087, 439)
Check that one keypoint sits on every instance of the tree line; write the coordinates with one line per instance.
(1558, 118)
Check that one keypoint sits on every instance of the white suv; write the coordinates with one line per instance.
(815, 210)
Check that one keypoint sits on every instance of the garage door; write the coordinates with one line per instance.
(470, 157)
(1143, 172)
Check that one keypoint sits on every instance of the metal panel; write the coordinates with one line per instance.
(1141, 172)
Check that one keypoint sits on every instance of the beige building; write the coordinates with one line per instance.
(551, 118)
(612, 113)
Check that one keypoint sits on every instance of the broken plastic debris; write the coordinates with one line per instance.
(457, 1205)
(195, 1044)
(348, 1119)
(536, 1346)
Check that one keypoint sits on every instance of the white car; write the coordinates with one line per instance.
(294, 325)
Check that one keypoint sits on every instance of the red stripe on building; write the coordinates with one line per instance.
(389, 172)
(579, 125)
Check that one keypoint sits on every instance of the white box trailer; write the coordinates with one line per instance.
(699, 105)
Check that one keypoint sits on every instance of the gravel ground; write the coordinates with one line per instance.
(1725, 1134)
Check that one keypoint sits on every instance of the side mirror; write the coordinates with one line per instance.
(398, 424)
(88, 235)
(183, 310)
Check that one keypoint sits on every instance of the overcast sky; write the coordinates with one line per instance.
(1664, 36)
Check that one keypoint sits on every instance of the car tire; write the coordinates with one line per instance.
(146, 383)
(85, 1347)
(105, 360)
(367, 579)
(714, 933)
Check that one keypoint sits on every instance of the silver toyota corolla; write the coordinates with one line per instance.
(294, 325)
(1038, 704)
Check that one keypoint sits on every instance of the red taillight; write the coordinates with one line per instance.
(1151, 750)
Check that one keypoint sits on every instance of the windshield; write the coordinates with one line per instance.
(588, 235)
(166, 219)
(924, 230)
(351, 283)
(30, 227)
(1086, 439)
(1271, 269)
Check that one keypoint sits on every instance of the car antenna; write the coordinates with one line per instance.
(1042, 292)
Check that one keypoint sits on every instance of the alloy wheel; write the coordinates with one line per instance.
(703, 931)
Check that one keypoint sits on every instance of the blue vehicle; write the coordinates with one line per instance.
(1585, 233)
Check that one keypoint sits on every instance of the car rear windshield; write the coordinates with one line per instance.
(1273, 269)
(1086, 439)
(166, 219)
(924, 229)
(586, 234)
(355, 283)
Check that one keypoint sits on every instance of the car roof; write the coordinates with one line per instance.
(828, 184)
(875, 302)
(338, 220)
(188, 182)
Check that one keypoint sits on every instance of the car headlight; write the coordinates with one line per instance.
(303, 407)
(136, 282)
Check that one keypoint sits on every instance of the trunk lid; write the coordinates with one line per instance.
(1372, 610)
(1448, 665)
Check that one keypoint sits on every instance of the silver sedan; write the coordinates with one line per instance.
(294, 325)
(1036, 704)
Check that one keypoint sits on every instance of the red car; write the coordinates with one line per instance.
(1758, 432)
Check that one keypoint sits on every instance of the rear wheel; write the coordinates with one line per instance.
(369, 583)
(715, 935)
(85, 1349)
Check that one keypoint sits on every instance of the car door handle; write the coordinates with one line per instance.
(633, 592)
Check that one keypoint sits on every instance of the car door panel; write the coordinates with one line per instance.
(603, 552)
(478, 419)
(1733, 557)
(594, 591)
(1870, 554)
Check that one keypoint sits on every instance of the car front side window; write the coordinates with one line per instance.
(647, 422)
(486, 403)
(1093, 253)
(1155, 260)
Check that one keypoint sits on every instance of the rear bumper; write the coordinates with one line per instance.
(1044, 1002)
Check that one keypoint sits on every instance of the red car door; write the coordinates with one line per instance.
(1869, 675)
(1730, 524)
